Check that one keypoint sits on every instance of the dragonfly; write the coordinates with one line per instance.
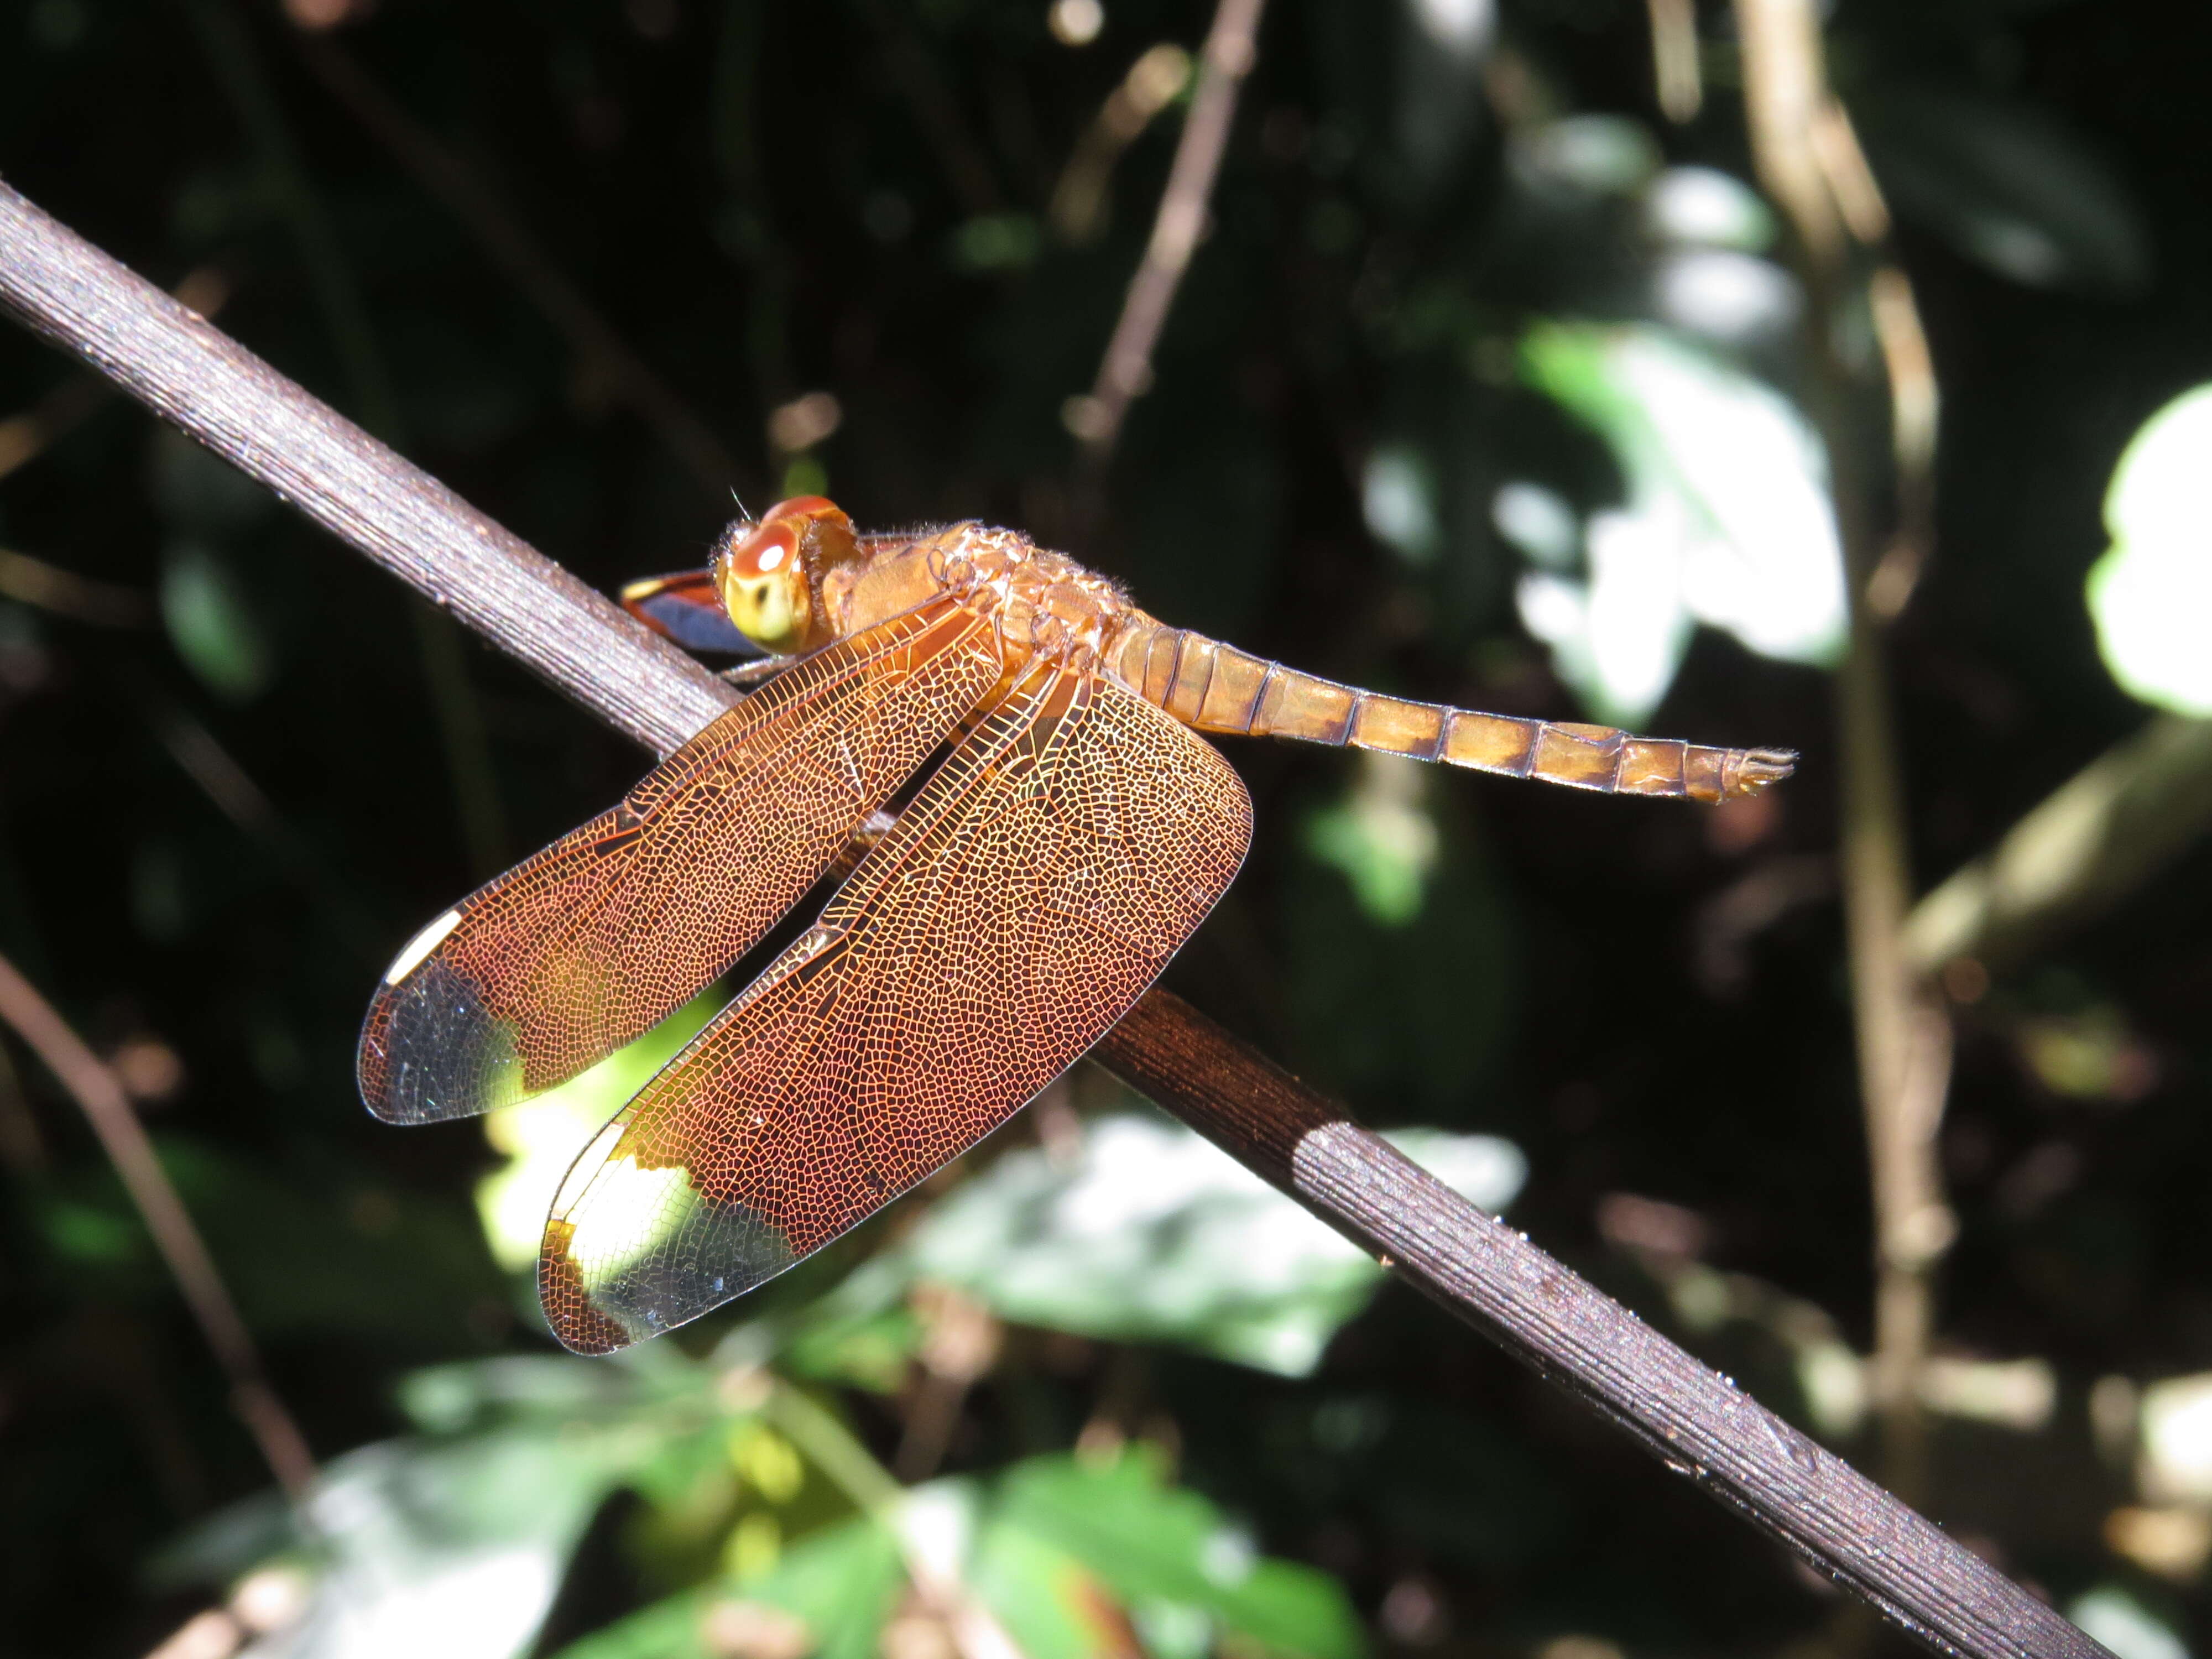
(1070, 830)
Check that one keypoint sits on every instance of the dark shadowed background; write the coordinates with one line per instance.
(1484, 387)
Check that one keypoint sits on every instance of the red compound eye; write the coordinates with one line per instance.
(768, 549)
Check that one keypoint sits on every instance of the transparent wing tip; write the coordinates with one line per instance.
(430, 1050)
(635, 1263)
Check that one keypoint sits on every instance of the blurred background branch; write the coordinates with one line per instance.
(1812, 167)
(1125, 373)
(106, 1107)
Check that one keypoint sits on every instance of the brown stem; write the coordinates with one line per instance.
(107, 1108)
(1473, 1266)
(1126, 369)
(1809, 163)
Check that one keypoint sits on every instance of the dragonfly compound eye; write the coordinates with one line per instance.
(764, 587)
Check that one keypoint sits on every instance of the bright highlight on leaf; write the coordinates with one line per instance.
(1153, 1235)
(1727, 520)
(1381, 836)
(542, 1136)
(2151, 594)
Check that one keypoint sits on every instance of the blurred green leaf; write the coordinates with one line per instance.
(211, 624)
(840, 1584)
(1151, 1234)
(542, 1136)
(2151, 593)
(436, 1547)
(1158, 1545)
(997, 241)
(1399, 971)
(1728, 520)
(1381, 837)
(2005, 184)
(2116, 1616)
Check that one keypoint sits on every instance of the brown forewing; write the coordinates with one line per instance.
(1021, 905)
(566, 957)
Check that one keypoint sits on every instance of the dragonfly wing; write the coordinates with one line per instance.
(1020, 907)
(566, 957)
(688, 608)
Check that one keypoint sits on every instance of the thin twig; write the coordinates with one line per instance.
(1126, 369)
(1079, 206)
(1796, 130)
(81, 599)
(107, 1108)
(232, 791)
(1675, 73)
(2095, 839)
(1476, 1267)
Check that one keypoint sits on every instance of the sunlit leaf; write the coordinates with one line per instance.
(1704, 207)
(836, 1588)
(1381, 837)
(1158, 1545)
(1728, 520)
(542, 1136)
(2116, 1616)
(2176, 1429)
(448, 1548)
(1398, 497)
(1152, 1234)
(2151, 593)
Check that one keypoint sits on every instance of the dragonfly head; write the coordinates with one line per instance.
(769, 574)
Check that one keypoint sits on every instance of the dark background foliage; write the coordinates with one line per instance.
(769, 200)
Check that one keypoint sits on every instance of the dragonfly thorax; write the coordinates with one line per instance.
(1041, 603)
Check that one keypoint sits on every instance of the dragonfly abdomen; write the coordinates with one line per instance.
(1216, 688)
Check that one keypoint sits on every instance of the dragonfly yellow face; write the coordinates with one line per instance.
(1044, 874)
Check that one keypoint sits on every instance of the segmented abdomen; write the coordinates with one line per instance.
(1216, 688)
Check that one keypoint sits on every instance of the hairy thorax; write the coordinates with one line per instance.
(1040, 603)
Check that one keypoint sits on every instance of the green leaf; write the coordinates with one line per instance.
(542, 1136)
(1383, 837)
(2112, 1614)
(1727, 520)
(842, 1584)
(1157, 1545)
(1050, 1605)
(2151, 593)
(211, 625)
(1151, 1234)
